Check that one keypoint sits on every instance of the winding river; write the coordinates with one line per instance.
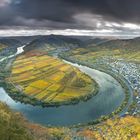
(109, 98)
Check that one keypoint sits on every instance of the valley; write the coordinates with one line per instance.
(57, 76)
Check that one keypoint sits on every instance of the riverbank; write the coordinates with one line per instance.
(19, 95)
(21, 128)
(23, 98)
(127, 90)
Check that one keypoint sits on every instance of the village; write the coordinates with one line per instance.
(130, 71)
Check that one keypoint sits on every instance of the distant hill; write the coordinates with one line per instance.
(10, 42)
(96, 41)
(22, 39)
(70, 42)
(129, 44)
(56, 41)
(8, 46)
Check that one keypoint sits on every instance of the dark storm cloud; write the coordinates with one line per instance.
(60, 13)
(57, 10)
(124, 10)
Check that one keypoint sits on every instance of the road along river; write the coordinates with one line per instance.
(110, 97)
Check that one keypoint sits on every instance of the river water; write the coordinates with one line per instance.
(110, 96)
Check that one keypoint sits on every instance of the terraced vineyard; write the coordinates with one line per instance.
(127, 50)
(49, 79)
(89, 55)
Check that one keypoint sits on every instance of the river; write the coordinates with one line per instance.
(109, 98)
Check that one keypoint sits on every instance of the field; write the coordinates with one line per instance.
(49, 79)
(127, 50)
(91, 56)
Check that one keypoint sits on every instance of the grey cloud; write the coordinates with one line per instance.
(87, 14)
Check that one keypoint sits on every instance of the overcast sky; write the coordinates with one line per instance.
(78, 17)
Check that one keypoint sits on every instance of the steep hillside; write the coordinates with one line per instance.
(11, 125)
(55, 41)
(8, 46)
(10, 42)
(14, 126)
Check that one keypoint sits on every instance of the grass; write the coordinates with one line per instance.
(49, 79)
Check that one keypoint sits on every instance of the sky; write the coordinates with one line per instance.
(70, 17)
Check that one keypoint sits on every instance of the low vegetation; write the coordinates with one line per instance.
(11, 126)
(2, 46)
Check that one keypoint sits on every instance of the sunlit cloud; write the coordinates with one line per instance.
(67, 32)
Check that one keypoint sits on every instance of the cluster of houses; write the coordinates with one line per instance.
(130, 71)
